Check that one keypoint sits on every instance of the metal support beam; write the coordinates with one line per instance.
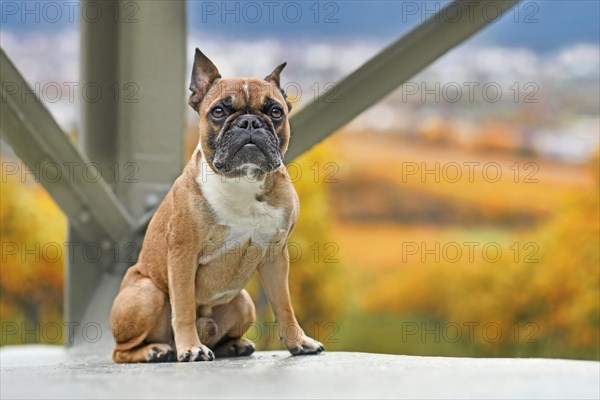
(137, 56)
(139, 60)
(389, 69)
(83, 195)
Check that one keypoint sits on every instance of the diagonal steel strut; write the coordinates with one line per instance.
(393, 66)
(85, 197)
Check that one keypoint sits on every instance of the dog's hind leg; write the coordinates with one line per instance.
(140, 322)
(153, 352)
(231, 321)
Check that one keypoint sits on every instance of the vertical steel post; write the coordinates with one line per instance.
(133, 63)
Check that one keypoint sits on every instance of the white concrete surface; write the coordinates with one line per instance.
(52, 372)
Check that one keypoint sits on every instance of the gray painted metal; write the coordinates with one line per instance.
(85, 197)
(135, 130)
(389, 69)
(138, 127)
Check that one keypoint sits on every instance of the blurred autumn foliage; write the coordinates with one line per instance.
(352, 282)
(541, 298)
(553, 302)
(33, 233)
(317, 284)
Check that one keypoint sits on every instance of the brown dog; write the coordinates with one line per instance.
(227, 216)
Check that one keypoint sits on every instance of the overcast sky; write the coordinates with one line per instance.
(540, 25)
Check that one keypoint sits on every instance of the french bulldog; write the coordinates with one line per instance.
(226, 217)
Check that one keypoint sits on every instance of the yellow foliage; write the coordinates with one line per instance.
(316, 280)
(543, 292)
(32, 240)
(556, 297)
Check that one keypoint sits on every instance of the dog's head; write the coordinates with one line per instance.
(244, 127)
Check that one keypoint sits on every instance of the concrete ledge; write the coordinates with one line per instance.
(53, 372)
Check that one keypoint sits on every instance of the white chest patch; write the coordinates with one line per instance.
(234, 202)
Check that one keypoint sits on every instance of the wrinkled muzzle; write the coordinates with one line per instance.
(247, 146)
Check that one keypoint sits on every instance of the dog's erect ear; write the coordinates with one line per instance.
(275, 77)
(204, 73)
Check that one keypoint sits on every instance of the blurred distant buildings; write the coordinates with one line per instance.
(481, 97)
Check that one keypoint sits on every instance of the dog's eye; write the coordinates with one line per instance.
(217, 112)
(276, 113)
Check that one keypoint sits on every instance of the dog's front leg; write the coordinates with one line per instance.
(274, 279)
(182, 268)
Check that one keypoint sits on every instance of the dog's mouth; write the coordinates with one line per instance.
(249, 142)
(242, 152)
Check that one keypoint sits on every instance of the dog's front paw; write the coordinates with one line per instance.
(306, 345)
(196, 353)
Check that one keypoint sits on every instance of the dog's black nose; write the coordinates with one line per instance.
(248, 122)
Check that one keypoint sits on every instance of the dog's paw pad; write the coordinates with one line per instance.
(161, 353)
